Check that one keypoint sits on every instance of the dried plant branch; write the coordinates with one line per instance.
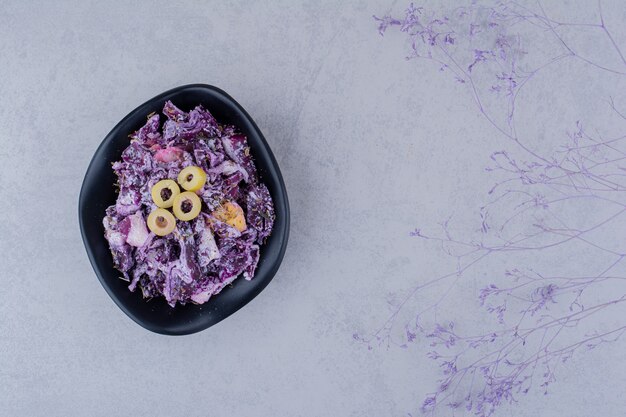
(541, 319)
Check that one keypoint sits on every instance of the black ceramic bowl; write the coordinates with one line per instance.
(98, 192)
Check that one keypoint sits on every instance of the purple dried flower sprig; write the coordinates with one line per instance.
(540, 319)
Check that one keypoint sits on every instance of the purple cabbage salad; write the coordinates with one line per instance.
(200, 257)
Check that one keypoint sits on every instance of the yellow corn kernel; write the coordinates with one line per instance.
(232, 214)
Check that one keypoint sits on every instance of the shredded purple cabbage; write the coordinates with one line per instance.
(203, 255)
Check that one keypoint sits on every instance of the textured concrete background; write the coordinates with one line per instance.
(369, 148)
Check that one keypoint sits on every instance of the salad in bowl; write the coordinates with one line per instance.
(191, 213)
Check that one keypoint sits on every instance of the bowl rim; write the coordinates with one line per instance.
(281, 186)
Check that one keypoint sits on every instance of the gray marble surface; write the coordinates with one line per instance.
(369, 148)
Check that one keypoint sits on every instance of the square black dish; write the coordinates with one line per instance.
(98, 192)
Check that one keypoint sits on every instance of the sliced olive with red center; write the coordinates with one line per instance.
(164, 192)
(187, 206)
(161, 222)
(192, 178)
